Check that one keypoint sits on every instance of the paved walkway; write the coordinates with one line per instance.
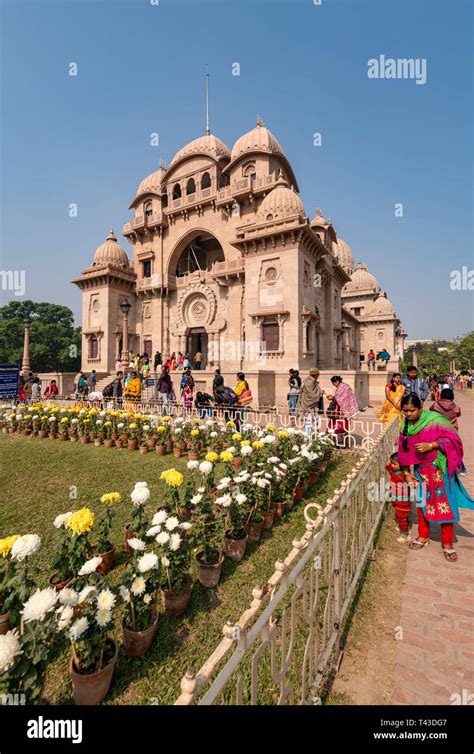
(435, 656)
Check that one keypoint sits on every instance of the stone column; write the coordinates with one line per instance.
(25, 366)
(125, 356)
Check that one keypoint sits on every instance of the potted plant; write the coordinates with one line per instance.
(93, 651)
(16, 570)
(255, 520)
(174, 548)
(195, 447)
(235, 541)
(74, 434)
(73, 547)
(136, 528)
(173, 480)
(134, 435)
(104, 546)
(108, 439)
(139, 591)
(209, 540)
(160, 439)
(143, 442)
(43, 431)
(64, 428)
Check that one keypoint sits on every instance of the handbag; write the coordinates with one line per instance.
(245, 398)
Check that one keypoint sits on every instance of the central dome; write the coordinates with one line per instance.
(280, 202)
(208, 145)
(112, 253)
(259, 139)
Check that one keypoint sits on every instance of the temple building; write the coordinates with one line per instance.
(227, 263)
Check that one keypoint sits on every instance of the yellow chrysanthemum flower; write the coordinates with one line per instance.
(230, 424)
(270, 427)
(81, 521)
(194, 432)
(283, 433)
(65, 420)
(161, 428)
(244, 443)
(226, 456)
(258, 444)
(107, 424)
(111, 497)
(236, 436)
(195, 420)
(6, 544)
(165, 418)
(132, 425)
(211, 456)
(172, 477)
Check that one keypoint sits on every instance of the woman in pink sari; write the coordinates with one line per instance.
(429, 443)
(342, 408)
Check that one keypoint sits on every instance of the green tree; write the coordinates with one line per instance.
(464, 352)
(430, 360)
(55, 344)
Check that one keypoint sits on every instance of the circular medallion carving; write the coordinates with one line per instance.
(271, 274)
(196, 306)
(95, 305)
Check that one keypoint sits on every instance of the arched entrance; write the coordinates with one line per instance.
(197, 342)
(199, 255)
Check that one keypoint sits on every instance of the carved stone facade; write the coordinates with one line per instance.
(225, 261)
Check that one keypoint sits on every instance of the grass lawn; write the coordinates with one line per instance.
(37, 478)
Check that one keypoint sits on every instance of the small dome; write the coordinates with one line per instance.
(259, 139)
(110, 252)
(152, 183)
(280, 202)
(208, 145)
(319, 220)
(381, 305)
(344, 255)
(362, 279)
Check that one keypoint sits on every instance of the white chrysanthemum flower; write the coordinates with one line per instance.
(175, 542)
(262, 483)
(246, 450)
(120, 425)
(74, 420)
(185, 526)
(283, 466)
(138, 586)
(224, 483)
(273, 459)
(147, 599)
(90, 566)
(60, 520)
(201, 489)
(269, 439)
(141, 494)
(242, 477)
(106, 600)
(9, 649)
(25, 546)
(179, 420)
(162, 538)
(68, 596)
(124, 593)
(153, 531)
(241, 498)
(192, 465)
(171, 523)
(84, 594)
(268, 476)
(159, 517)
(103, 617)
(205, 467)
(196, 499)
(231, 450)
(146, 427)
(147, 562)
(99, 422)
(136, 544)
(65, 615)
(178, 430)
(165, 562)
(40, 603)
(213, 434)
(224, 500)
(295, 448)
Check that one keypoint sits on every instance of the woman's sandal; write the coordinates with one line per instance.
(417, 545)
(450, 555)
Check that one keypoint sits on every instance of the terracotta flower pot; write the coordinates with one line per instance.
(63, 438)
(108, 443)
(128, 535)
(124, 438)
(177, 452)
(56, 583)
(254, 530)
(42, 434)
(137, 643)
(160, 450)
(91, 435)
(118, 443)
(298, 494)
(92, 688)
(97, 442)
(151, 442)
(235, 548)
(52, 436)
(193, 455)
(143, 450)
(107, 561)
(313, 477)
(169, 446)
(268, 517)
(5, 624)
(280, 508)
(133, 444)
(73, 439)
(26, 432)
(209, 574)
(175, 603)
(85, 439)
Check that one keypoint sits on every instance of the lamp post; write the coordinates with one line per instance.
(25, 366)
(125, 307)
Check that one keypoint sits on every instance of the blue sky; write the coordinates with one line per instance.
(303, 69)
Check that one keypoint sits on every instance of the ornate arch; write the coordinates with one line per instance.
(197, 307)
(181, 244)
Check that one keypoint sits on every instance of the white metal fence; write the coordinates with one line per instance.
(282, 648)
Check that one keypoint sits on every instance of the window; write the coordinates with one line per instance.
(146, 268)
(147, 347)
(164, 201)
(191, 187)
(206, 181)
(148, 209)
(176, 191)
(93, 347)
(248, 171)
(357, 311)
(271, 336)
(309, 333)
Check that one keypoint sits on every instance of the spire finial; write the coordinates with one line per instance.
(260, 122)
(208, 130)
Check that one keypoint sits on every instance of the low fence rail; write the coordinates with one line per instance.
(283, 646)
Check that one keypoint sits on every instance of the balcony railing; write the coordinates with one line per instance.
(143, 221)
(156, 282)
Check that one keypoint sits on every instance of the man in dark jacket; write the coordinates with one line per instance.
(415, 385)
(157, 360)
(117, 387)
(218, 381)
(164, 388)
